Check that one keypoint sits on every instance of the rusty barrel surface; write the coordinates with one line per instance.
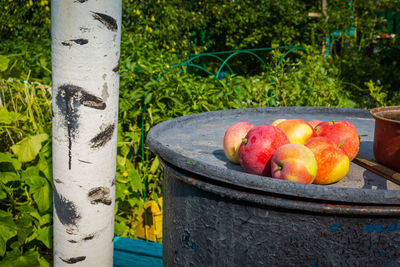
(215, 214)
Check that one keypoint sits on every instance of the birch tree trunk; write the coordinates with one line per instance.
(86, 38)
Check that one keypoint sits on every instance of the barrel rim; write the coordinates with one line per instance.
(281, 202)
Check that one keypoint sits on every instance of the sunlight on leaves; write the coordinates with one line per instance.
(28, 148)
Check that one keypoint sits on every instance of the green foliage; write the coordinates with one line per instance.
(25, 175)
(365, 56)
(25, 60)
(311, 81)
(29, 20)
(184, 26)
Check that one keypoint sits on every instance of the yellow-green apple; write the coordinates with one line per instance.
(343, 133)
(276, 122)
(233, 138)
(333, 163)
(298, 130)
(258, 146)
(294, 162)
(314, 123)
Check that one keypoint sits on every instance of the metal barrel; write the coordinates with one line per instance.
(215, 214)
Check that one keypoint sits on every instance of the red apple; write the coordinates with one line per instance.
(343, 133)
(298, 130)
(233, 138)
(294, 162)
(333, 163)
(258, 146)
(314, 123)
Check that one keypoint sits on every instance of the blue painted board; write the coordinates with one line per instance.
(132, 252)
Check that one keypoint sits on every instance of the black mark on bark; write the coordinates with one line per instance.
(74, 260)
(70, 231)
(66, 44)
(89, 237)
(81, 1)
(103, 137)
(68, 99)
(65, 209)
(99, 195)
(92, 101)
(87, 162)
(83, 29)
(113, 181)
(80, 41)
(107, 20)
(116, 68)
(58, 181)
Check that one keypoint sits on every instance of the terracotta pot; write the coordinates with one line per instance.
(387, 136)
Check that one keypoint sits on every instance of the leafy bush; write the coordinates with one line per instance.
(365, 57)
(25, 174)
(28, 21)
(26, 61)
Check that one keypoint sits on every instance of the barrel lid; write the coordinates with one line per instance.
(195, 143)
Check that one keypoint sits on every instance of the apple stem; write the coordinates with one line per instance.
(244, 140)
(333, 121)
(279, 166)
(341, 144)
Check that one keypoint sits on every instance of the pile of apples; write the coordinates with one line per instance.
(316, 151)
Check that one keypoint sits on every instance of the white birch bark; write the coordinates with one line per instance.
(86, 38)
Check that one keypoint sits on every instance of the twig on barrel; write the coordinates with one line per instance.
(379, 169)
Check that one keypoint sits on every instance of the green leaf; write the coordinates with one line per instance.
(6, 177)
(28, 173)
(45, 167)
(4, 63)
(45, 235)
(121, 160)
(25, 229)
(43, 61)
(39, 187)
(42, 193)
(14, 258)
(8, 229)
(154, 165)
(28, 148)
(43, 219)
(7, 157)
(125, 150)
(10, 117)
(148, 98)
(134, 136)
(136, 181)
(3, 193)
(43, 262)
(120, 229)
(121, 179)
(119, 191)
(46, 150)
(134, 201)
